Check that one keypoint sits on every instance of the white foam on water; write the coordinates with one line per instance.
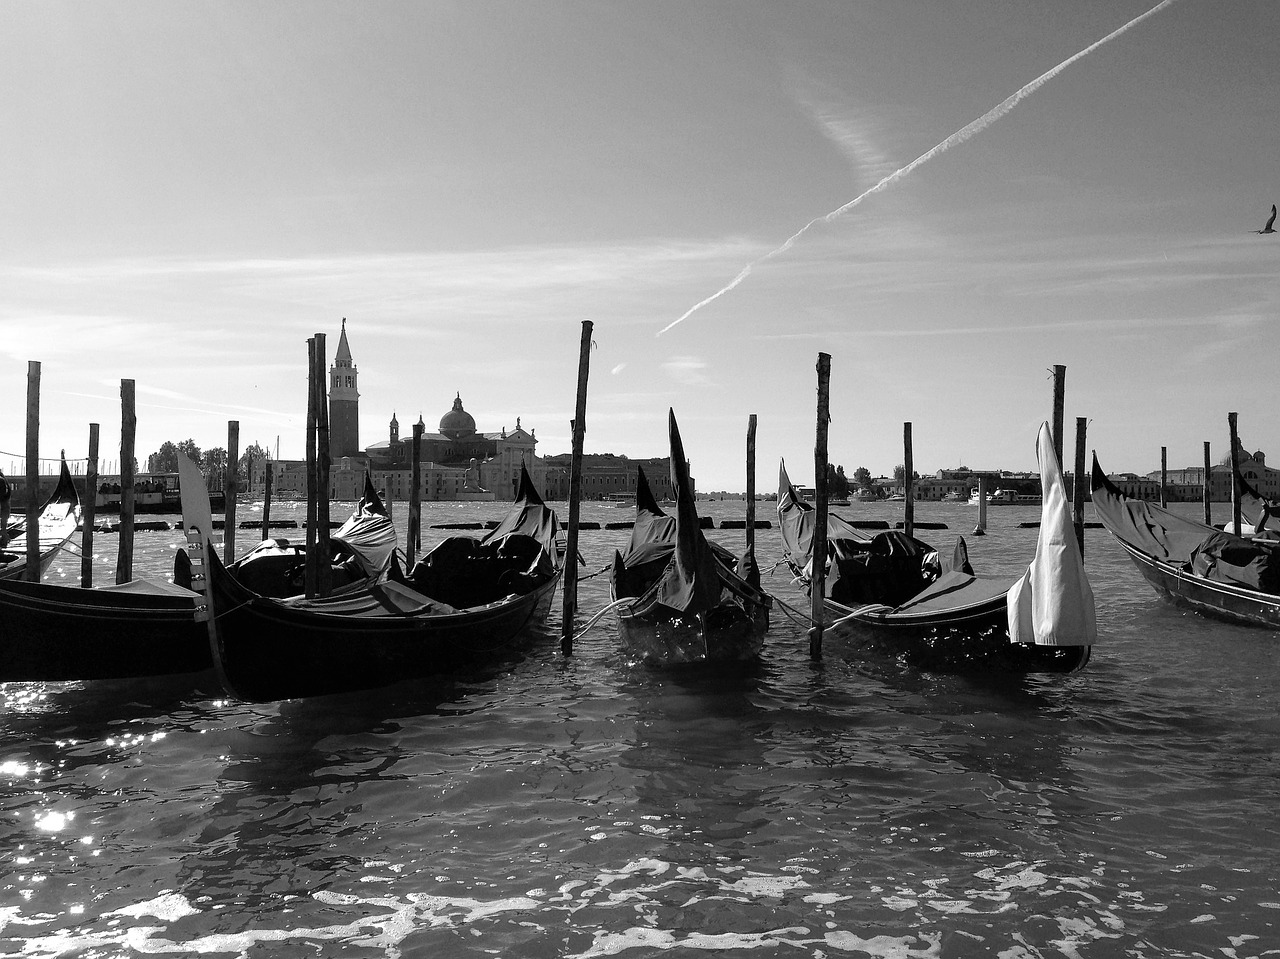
(168, 907)
(637, 937)
(826, 898)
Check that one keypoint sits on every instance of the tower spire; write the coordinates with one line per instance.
(344, 401)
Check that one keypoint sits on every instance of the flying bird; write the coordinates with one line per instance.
(1271, 222)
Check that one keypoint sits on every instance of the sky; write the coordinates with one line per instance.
(193, 189)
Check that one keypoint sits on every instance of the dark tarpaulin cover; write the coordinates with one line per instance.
(796, 519)
(890, 569)
(369, 531)
(652, 527)
(1207, 552)
(653, 542)
(529, 516)
(691, 582)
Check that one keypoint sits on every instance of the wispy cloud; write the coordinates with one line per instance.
(854, 136)
(962, 135)
(687, 370)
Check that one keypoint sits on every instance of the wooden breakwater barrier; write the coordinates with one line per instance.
(742, 524)
(1035, 524)
(160, 526)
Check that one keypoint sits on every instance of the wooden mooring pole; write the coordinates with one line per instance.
(230, 485)
(1078, 483)
(579, 427)
(1059, 408)
(414, 534)
(1205, 489)
(128, 434)
(323, 464)
(312, 559)
(268, 480)
(751, 485)
(32, 570)
(1164, 477)
(818, 562)
(89, 510)
(1235, 468)
(908, 466)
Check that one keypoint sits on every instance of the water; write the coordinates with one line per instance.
(579, 808)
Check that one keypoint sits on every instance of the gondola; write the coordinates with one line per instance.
(148, 627)
(1193, 565)
(692, 601)
(466, 600)
(898, 594)
(57, 523)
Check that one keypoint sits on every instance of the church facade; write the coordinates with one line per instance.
(456, 461)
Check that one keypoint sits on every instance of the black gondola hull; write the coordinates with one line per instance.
(729, 633)
(969, 639)
(1224, 601)
(268, 650)
(60, 633)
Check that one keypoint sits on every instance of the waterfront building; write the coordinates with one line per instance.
(610, 476)
(1187, 484)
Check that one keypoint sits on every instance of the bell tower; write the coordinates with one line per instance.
(344, 402)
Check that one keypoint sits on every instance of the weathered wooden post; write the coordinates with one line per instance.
(323, 464)
(1164, 477)
(579, 425)
(32, 570)
(268, 481)
(818, 562)
(1235, 468)
(751, 484)
(1078, 482)
(128, 433)
(1059, 404)
(89, 509)
(312, 560)
(230, 484)
(414, 538)
(908, 464)
(1205, 488)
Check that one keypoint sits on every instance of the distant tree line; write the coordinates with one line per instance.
(212, 463)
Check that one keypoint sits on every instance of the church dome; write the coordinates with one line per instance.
(457, 423)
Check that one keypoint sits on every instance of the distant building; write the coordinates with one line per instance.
(610, 475)
(456, 462)
(1187, 484)
(344, 402)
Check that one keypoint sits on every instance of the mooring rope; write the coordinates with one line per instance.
(793, 614)
(602, 569)
(627, 601)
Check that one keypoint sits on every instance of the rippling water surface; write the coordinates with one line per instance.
(576, 807)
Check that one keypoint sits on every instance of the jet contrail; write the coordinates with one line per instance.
(960, 136)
